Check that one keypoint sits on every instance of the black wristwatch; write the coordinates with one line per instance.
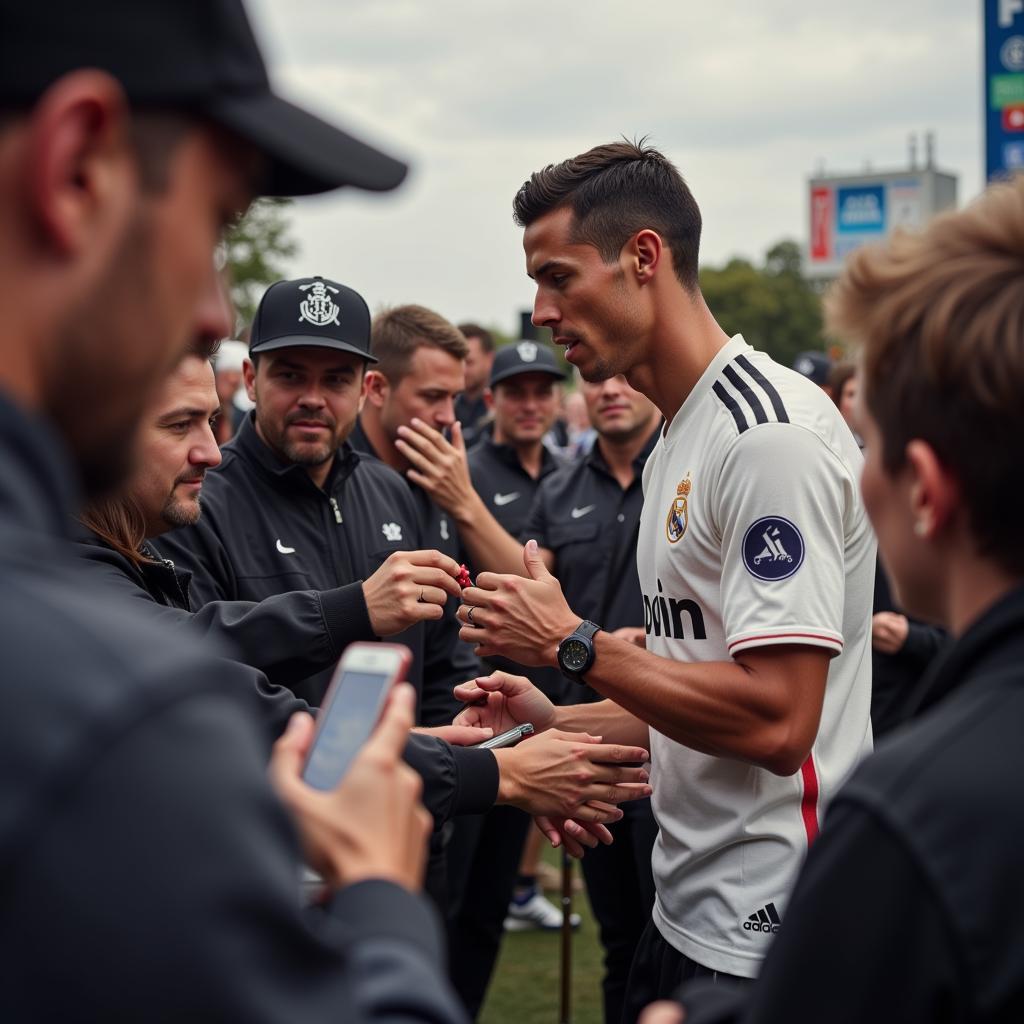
(576, 651)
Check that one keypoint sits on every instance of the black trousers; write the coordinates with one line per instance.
(620, 887)
(657, 972)
(483, 862)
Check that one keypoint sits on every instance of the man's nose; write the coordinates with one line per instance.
(545, 313)
(206, 452)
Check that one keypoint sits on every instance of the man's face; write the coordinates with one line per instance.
(176, 447)
(524, 408)
(426, 392)
(155, 292)
(616, 410)
(307, 400)
(478, 365)
(589, 305)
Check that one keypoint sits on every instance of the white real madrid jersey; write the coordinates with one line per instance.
(752, 534)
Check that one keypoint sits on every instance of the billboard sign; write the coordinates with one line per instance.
(1004, 87)
(846, 215)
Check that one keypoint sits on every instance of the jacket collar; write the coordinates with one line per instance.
(507, 454)
(39, 482)
(254, 450)
(995, 640)
(595, 458)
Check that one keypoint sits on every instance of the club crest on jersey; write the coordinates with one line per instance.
(391, 531)
(678, 515)
(773, 549)
(318, 307)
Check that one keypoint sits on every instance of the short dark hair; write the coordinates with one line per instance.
(940, 318)
(615, 191)
(396, 333)
(476, 331)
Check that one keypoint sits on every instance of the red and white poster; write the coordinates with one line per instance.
(822, 204)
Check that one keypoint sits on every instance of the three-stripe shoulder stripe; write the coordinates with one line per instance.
(749, 395)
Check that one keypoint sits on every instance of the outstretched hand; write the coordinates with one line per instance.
(517, 618)
(502, 701)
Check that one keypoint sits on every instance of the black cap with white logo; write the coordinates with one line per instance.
(312, 311)
(524, 357)
(193, 55)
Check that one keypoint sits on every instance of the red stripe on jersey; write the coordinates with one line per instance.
(831, 640)
(809, 804)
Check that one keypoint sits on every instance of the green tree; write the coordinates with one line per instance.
(256, 249)
(773, 306)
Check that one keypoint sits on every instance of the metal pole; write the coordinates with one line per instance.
(565, 962)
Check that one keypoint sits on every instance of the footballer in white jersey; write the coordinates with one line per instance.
(752, 534)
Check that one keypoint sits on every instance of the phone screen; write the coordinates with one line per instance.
(351, 716)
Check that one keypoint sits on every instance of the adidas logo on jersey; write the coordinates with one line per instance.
(664, 616)
(765, 920)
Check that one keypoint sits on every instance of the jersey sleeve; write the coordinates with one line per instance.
(781, 505)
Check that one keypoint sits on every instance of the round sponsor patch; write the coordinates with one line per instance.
(773, 549)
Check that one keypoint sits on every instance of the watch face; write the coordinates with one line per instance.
(575, 654)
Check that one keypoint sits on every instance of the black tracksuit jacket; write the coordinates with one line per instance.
(910, 907)
(267, 529)
(281, 634)
(148, 871)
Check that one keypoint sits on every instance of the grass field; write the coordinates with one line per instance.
(525, 988)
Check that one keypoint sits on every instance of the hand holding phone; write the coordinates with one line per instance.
(365, 675)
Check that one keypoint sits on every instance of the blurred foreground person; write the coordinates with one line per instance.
(150, 872)
(910, 907)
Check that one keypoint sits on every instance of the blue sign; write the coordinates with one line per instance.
(773, 549)
(1004, 87)
(860, 210)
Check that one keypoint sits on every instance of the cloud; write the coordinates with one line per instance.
(747, 98)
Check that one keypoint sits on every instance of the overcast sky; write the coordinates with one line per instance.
(748, 99)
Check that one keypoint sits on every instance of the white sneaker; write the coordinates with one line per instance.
(536, 913)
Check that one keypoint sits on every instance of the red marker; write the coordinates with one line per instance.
(463, 578)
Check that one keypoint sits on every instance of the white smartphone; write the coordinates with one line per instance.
(351, 709)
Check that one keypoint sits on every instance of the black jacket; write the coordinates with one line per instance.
(911, 904)
(267, 529)
(147, 870)
(281, 632)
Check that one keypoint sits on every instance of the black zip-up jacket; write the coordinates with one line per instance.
(281, 632)
(147, 871)
(267, 529)
(910, 906)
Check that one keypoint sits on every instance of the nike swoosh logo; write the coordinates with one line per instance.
(283, 549)
(504, 499)
(576, 513)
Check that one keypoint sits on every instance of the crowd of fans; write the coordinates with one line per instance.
(709, 583)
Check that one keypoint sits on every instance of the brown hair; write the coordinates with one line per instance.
(940, 316)
(476, 331)
(397, 333)
(615, 191)
(837, 378)
(118, 521)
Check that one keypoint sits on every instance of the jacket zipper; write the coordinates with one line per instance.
(337, 510)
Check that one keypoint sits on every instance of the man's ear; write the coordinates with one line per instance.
(82, 171)
(645, 251)
(375, 389)
(934, 491)
(489, 399)
(249, 376)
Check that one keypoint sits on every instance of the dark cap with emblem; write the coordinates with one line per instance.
(524, 357)
(814, 366)
(311, 311)
(197, 56)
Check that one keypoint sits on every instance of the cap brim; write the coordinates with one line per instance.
(522, 371)
(311, 341)
(306, 155)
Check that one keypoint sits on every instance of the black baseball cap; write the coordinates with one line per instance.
(198, 55)
(813, 365)
(311, 311)
(524, 357)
